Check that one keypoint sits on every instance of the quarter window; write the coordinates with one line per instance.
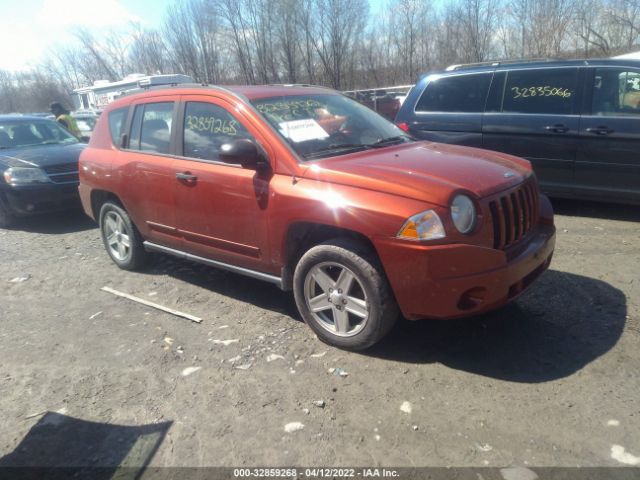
(460, 93)
(151, 128)
(207, 127)
(540, 91)
(116, 124)
(616, 92)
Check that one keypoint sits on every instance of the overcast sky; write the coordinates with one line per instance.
(28, 28)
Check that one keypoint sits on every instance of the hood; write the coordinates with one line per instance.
(40, 156)
(424, 171)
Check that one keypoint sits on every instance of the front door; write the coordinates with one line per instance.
(608, 164)
(535, 117)
(222, 207)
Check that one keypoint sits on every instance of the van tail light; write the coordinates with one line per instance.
(403, 126)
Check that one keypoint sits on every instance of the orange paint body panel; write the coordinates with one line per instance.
(244, 217)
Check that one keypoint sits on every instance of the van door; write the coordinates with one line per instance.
(535, 117)
(450, 109)
(222, 207)
(608, 163)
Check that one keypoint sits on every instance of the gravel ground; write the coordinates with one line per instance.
(88, 378)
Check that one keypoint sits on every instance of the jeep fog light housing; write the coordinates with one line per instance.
(422, 226)
(463, 213)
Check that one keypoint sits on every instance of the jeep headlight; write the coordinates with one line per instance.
(24, 175)
(422, 226)
(463, 213)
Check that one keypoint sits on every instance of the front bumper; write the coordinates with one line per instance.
(451, 281)
(33, 199)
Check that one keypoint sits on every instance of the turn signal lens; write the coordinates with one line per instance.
(423, 226)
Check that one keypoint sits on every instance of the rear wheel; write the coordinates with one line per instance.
(343, 295)
(121, 238)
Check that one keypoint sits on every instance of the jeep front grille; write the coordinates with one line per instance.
(514, 214)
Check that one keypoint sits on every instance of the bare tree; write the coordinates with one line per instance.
(549, 24)
(331, 42)
(101, 59)
(289, 38)
(148, 52)
(478, 19)
(333, 31)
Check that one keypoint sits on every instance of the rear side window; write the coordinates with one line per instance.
(151, 127)
(540, 91)
(616, 92)
(117, 118)
(207, 127)
(460, 93)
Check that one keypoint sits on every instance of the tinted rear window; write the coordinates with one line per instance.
(151, 127)
(540, 91)
(460, 93)
(117, 119)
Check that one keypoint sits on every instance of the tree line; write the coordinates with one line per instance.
(343, 44)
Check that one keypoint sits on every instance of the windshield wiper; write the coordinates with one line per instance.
(385, 142)
(338, 147)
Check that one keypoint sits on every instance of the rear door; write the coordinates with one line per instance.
(450, 109)
(146, 175)
(222, 207)
(533, 113)
(608, 163)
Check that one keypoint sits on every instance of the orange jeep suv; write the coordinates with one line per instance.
(307, 189)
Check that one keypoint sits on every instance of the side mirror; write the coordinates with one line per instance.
(245, 152)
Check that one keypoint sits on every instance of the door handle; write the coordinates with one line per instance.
(186, 177)
(559, 128)
(600, 130)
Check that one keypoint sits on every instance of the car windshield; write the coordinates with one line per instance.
(86, 124)
(28, 133)
(318, 126)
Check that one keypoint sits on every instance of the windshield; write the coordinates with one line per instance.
(86, 124)
(318, 126)
(28, 133)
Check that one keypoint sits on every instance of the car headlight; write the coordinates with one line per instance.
(422, 226)
(24, 175)
(463, 213)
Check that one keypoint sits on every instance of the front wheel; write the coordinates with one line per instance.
(121, 238)
(343, 295)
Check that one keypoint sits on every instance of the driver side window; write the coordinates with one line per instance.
(206, 128)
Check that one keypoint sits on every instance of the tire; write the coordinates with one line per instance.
(6, 217)
(342, 293)
(121, 238)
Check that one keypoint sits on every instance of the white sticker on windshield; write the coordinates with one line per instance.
(303, 130)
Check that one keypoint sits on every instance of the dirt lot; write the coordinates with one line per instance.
(89, 378)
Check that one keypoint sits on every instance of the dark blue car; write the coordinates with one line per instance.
(39, 167)
(578, 122)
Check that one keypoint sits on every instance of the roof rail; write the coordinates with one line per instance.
(396, 87)
(294, 85)
(496, 63)
(146, 88)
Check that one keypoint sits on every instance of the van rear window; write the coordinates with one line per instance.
(458, 93)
